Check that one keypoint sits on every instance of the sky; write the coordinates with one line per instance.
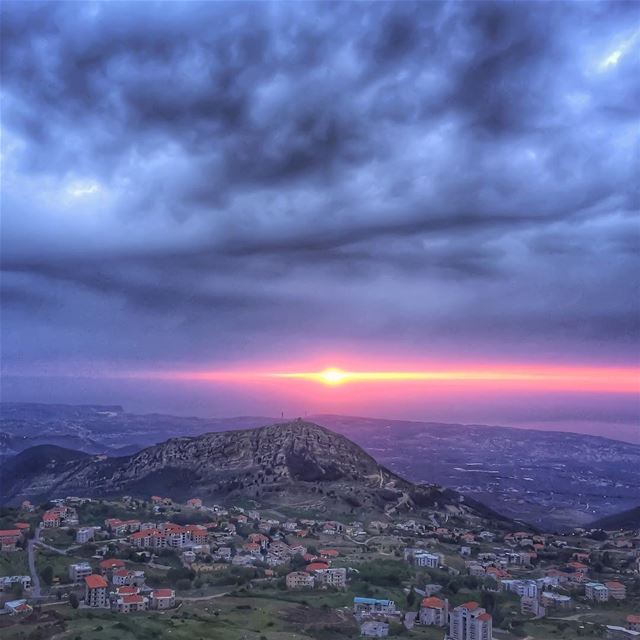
(286, 187)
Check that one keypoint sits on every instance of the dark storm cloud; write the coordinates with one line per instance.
(189, 174)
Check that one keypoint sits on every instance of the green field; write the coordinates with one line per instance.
(219, 619)
(59, 563)
(59, 538)
(14, 563)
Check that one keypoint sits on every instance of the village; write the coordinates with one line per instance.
(78, 567)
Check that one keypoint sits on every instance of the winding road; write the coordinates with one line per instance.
(35, 578)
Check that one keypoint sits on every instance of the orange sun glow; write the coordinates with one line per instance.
(534, 378)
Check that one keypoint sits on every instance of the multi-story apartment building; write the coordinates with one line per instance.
(299, 580)
(79, 571)
(335, 578)
(95, 593)
(470, 621)
(434, 611)
(596, 591)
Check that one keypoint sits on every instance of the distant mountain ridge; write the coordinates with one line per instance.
(293, 463)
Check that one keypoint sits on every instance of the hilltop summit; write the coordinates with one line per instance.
(292, 463)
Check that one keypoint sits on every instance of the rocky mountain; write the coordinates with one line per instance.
(296, 464)
(553, 480)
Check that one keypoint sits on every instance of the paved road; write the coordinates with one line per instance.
(200, 598)
(35, 579)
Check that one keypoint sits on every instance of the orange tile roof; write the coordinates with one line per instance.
(95, 582)
(470, 605)
(633, 619)
(485, 617)
(9, 532)
(132, 599)
(111, 563)
(316, 566)
(614, 584)
(127, 590)
(432, 603)
(162, 593)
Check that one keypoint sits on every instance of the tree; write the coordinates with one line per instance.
(73, 600)
(183, 584)
(47, 575)
(411, 598)
(16, 590)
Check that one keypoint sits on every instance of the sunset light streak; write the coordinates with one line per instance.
(579, 379)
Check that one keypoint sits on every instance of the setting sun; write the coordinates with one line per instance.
(333, 376)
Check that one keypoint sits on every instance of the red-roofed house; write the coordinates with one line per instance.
(95, 592)
(633, 622)
(259, 538)
(316, 566)
(149, 538)
(131, 603)
(328, 553)
(9, 539)
(434, 611)
(252, 548)
(197, 533)
(163, 599)
(617, 590)
(51, 519)
(110, 564)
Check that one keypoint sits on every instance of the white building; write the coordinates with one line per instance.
(7, 582)
(78, 572)
(84, 535)
(596, 591)
(374, 629)
(163, 599)
(469, 621)
(368, 606)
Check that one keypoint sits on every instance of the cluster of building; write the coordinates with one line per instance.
(469, 621)
(317, 575)
(603, 592)
(122, 590)
(125, 598)
(61, 514)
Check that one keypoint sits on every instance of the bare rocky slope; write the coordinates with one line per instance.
(296, 464)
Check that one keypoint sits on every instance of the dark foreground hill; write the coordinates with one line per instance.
(629, 519)
(291, 464)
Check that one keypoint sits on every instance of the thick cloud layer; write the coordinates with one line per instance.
(191, 183)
